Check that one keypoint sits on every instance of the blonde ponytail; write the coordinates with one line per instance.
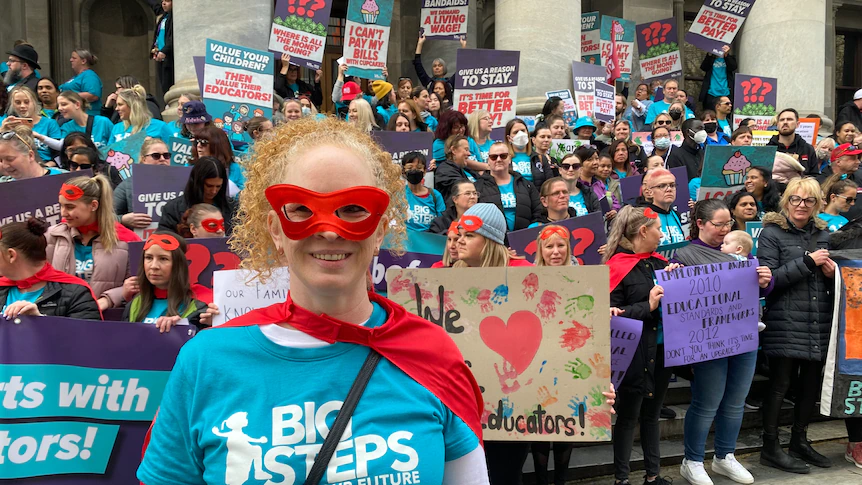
(627, 223)
(99, 188)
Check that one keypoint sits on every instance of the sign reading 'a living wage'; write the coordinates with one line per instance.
(444, 19)
(487, 79)
(709, 311)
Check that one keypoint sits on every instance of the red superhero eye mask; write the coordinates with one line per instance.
(213, 225)
(470, 223)
(164, 241)
(554, 230)
(71, 192)
(352, 213)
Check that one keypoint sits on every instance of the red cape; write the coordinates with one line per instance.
(125, 234)
(49, 274)
(622, 263)
(419, 348)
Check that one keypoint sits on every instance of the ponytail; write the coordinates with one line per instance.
(626, 225)
(27, 238)
(835, 185)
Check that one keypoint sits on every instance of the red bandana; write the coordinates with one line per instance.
(94, 227)
(47, 274)
(622, 263)
(160, 293)
(71, 192)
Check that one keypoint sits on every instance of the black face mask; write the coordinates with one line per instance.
(415, 177)
(710, 127)
(675, 115)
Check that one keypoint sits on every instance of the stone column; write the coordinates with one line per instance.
(63, 41)
(246, 23)
(829, 105)
(679, 15)
(796, 61)
(546, 59)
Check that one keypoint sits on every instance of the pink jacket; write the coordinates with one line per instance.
(110, 269)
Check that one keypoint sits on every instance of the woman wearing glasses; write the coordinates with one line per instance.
(659, 186)
(25, 110)
(154, 151)
(662, 144)
(454, 167)
(515, 196)
(562, 203)
(18, 159)
(86, 158)
(794, 245)
(213, 142)
(464, 196)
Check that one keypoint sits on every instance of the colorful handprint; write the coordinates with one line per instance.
(484, 299)
(471, 295)
(545, 396)
(547, 306)
(508, 373)
(600, 423)
(531, 286)
(578, 369)
(583, 303)
(576, 405)
(508, 407)
(602, 368)
(575, 337)
(501, 294)
(596, 396)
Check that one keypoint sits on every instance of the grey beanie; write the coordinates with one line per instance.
(493, 221)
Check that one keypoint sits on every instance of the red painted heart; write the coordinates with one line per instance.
(517, 340)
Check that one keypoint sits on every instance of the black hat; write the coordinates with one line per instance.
(195, 112)
(27, 54)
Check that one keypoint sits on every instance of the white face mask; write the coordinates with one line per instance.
(306, 111)
(699, 136)
(520, 140)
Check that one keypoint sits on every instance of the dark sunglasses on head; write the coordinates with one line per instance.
(501, 156)
(8, 135)
(157, 156)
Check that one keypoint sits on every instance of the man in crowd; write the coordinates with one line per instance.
(620, 105)
(788, 141)
(852, 111)
(23, 62)
(718, 74)
(723, 110)
(671, 88)
(690, 154)
(47, 91)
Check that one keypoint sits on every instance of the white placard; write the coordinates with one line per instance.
(235, 296)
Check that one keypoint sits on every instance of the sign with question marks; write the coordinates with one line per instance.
(717, 23)
(755, 97)
(587, 235)
(658, 47)
(537, 340)
(299, 30)
(623, 32)
(205, 256)
(444, 20)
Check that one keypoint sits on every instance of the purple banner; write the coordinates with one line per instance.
(399, 144)
(487, 79)
(299, 30)
(584, 77)
(709, 311)
(200, 63)
(37, 197)
(658, 49)
(57, 372)
(421, 250)
(755, 97)
(205, 256)
(717, 23)
(604, 102)
(154, 185)
(587, 235)
(625, 336)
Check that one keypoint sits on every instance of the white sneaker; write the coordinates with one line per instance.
(732, 469)
(694, 472)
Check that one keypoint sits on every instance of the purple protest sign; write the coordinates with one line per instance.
(204, 255)
(35, 197)
(717, 23)
(625, 336)
(200, 65)
(444, 20)
(587, 235)
(399, 144)
(154, 185)
(755, 97)
(709, 311)
(300, 31)
(584, 77)
(422, 249)
(59, 364)
(487, 79)
(630, 188)
(658, 48)
(604, 102)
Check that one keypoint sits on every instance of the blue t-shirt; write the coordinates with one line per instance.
(484, 149)
(421, 211)
(47, 127)
(236, 174)
(438, 150)
(205, 434)
(101, 134)
(718, 82)
(693, 187)
(160, 306)
(835, 222)
(431, 121)
(521, 164)
(721, 139)
(155, 129)
(160, 38)
(83, 261)
(660, 107)
(620, 173)
(86, 82)
(507, 197)
(671, 228)
(724, 126)
(576, 201)
(17, 295)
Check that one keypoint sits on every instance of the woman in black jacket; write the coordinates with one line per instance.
(288, 85)
(464, 196)
(556, 197)
(517, 198)
(798, 318)
(162, 49)
(207, 185)
(454, 168)
(631, 255)
(30, 286)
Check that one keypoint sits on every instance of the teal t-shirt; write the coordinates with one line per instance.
(660, 107)
(577, 202)
(83, 261)
(265, 416)
(718, 82)
(160, 38)
(484, 149)
(521, 164)
(724, 126)
(693, 187)
(671, 228)
(160, 306)
(101, 134)
(155, 129)
(835, 222)
(17, 295)
(439, 153)
(421, 211)
(620, 173)
(510, 203)
(86, 82)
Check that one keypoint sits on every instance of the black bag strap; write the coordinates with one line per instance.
(343, 417)
(89, 130)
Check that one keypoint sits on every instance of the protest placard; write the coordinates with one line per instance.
(604, 102)
(200, 63)
(421, 250)
(625, 336)
(487, 79)
(587, 235)
(709, 311)
(35, 197)
(620, 33)
(754, 97)
(760, 138)
(644, 139)
(79, 397)
(205, 257)
(753, 228)
(366, 38)
(584, 77)
(561, 148)
(181, 151)
(536, 339)
(841, 393)
(717, 23)
(153, 186)
(725, 167)
(236, 293)
(299, 30)
(591, 38)
(658, 47)
(238, 85)
(400, 144)
(124, 153)
(570, 109)
(444, 19)
(630, 188)
(807, 128)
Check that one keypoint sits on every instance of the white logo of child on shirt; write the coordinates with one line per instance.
(241, 454)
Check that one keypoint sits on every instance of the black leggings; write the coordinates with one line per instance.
(805, 376)
(505, 461)
(562, 455)
(854, 429)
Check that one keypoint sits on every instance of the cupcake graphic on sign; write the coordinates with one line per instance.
(370, 11)
(735, 168)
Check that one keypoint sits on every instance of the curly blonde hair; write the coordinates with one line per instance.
(267, 166)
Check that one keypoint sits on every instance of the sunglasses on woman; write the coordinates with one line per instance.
(200, 142)
(158, 156)
(662, 122)
(570, 166)
(80, 166)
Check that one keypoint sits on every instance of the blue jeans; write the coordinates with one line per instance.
(717, 393)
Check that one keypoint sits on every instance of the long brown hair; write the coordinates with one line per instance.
(99, 188)
(219, 144)
(180, 294)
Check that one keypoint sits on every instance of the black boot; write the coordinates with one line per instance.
(801, 448)
(772, 455)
